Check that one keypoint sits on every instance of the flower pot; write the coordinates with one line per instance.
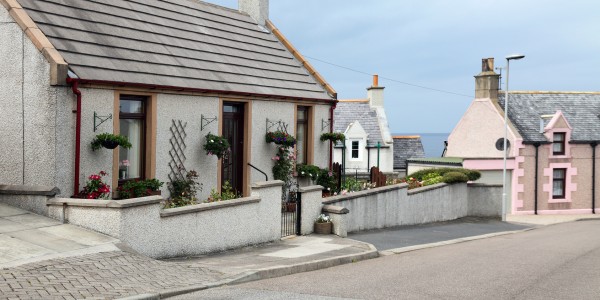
(323, 228)
(110, 144)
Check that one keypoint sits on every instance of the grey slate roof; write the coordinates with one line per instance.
(348, 112)
(406, 148)
(581, 110)
(171, 43)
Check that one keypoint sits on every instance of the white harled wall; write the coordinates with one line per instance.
(31, 145)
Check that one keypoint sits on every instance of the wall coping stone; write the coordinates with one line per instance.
(208, 206)
(472, 184)
(9, 189)
(334, 209)
(427, 188)
(360, 194)
(118, 204)
(311, 188)
(266, 184)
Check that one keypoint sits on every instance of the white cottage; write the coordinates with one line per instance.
(369, 142)
(162, 73)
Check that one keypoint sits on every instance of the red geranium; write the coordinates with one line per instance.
(95, 188)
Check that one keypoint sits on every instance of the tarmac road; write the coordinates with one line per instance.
(554, 262)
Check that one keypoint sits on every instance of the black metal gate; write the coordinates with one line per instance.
(291, 209)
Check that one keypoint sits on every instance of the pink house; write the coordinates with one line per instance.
(552, 142)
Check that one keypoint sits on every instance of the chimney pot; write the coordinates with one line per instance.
(487, 64)
(375, 80)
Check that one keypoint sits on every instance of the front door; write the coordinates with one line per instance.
(233, 130)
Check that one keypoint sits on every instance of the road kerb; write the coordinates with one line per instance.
(449, 242)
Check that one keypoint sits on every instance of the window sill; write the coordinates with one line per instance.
(559, 200)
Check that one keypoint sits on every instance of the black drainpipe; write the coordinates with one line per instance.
(537, 147)
(594, 144)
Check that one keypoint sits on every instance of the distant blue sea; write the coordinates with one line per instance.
(433, 143)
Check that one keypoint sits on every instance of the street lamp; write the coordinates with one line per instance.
(506, 95)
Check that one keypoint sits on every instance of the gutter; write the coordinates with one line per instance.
(75, 87)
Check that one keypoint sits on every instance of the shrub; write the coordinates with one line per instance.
(183, 190)
(455, 177)
(227, 193)
(352, 185)
(308, 171)
(327, 179)
(420, 175)
(139, 188)
(431, 179)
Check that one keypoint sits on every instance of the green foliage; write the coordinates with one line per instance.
(473, 175)
(139, 188)
(352, 185)
(431, 179)
(328, 180)
(183, 190)
(308, 171)
(227, 193)
(216, 145)
(281, 138)
(333, 136)
(120, 140)
(455, 177)
(284, 164)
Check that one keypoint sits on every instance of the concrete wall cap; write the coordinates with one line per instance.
(117, 204)
(311, 188)
(473, 184)
(8, 189)
(427, 188)
(334, 209)
(208, 206)
(360, 194)
(266, 184)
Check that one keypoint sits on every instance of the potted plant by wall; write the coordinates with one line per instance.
(140, 188)
(333, 137)
(216, 145)
(183, 190)
(323, 224)
(110, 141)
(307, 174)
(95, 188)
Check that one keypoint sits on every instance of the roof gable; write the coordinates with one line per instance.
(348, 112)
(172, 43)
(582, 110)
(406, 148)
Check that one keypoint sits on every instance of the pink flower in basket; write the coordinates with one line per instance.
(125, 163)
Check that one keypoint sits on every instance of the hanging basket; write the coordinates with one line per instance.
(110, 144)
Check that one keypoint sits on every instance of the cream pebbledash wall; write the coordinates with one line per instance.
(481, 143)
(35, 115)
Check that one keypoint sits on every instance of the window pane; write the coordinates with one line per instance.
(130, 165)
(558, 188)
(559, 173)
(301, 114)
(301, 143)
(559, 137)
(131, 106)
(231, 108)
(355, 149)
(557, 148)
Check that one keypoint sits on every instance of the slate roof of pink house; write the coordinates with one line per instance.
(581, 109)
(172, 43)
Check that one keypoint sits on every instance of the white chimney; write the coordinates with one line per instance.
(375, 93)
(257, 9)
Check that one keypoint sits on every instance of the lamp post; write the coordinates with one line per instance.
(506, 95)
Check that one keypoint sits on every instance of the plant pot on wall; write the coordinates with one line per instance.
(323, 228)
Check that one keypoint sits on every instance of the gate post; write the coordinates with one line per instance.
(299, 213)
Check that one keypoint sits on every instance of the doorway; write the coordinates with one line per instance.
(232, 165)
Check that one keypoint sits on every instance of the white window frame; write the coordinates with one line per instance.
(360, 148)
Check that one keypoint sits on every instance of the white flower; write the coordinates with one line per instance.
(302, 172)
(309, 174)
(329, 189)
(212, 141)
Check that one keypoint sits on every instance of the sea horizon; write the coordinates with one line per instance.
(433, 143)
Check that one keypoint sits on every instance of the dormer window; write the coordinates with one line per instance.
(558, 143)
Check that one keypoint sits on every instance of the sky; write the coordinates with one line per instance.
(439, 44)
